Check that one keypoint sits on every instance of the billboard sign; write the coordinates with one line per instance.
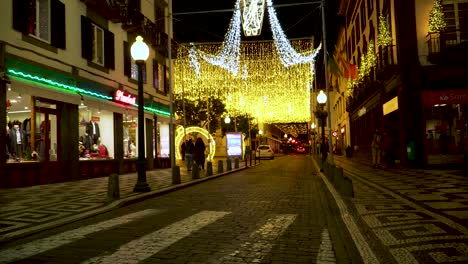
(234, 144)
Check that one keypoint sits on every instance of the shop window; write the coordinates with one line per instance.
(97, 44)
(96, 133)
(130, 130)
(31, 135)
(162, 139)
(42, 19)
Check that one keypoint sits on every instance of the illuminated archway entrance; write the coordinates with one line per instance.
(188, 130)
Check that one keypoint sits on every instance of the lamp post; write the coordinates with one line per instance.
(140, 53)
(260, 132)
(321, 114)
(312, 149)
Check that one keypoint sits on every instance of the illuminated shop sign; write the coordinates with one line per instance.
(435, 98)
(390, 106)
(121, 97)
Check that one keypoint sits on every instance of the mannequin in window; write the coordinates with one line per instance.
(16, 141)
(92, 129)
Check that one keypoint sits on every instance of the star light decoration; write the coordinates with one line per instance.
(274, 80)
(252, 16)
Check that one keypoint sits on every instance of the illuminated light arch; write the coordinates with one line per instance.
(202, 131)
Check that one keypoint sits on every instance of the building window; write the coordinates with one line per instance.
(363, 15)
(41, 19)
(98, 56)
(40, 25)
(134, 71)
(358, 29)
(370, 7)
(159, 81)
(97, 44)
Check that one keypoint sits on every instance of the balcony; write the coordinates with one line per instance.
(448, 47)
(110, 10)
(385, 69)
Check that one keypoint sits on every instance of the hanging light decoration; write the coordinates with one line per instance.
(269, 91)
(274, 79)
(252, 16)
(229, 55)
(288, 55)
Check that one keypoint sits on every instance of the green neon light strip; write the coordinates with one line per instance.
(60, 85)
(69, 88)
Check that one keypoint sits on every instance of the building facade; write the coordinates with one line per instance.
(69, 88)
(410, 77)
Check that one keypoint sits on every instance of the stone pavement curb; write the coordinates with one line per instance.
(113, 205)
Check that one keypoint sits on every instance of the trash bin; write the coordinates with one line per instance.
(411, 150)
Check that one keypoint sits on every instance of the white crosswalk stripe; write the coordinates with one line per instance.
(326, 254)
(148, 245)
(264, 238)
(45, 244)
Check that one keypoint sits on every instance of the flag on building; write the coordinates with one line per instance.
(349, 70)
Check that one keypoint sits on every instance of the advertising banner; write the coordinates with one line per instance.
(234, 144)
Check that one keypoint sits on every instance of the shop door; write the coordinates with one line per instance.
(46, 144)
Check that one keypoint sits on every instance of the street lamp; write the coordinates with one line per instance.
(313, 138)
(227, 120)
(140, 53)
(321, 114)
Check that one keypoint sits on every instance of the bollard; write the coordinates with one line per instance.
(209, 168)
(195, 171)
(113, 191)
(236, 163)
(338, 173)
(176, 175)
(220, 166)
(228, 165)
(347, 187)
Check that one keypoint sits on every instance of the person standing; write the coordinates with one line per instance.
(199, 153)
(189, 154)
(375, 148)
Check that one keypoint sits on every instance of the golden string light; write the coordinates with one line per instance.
(264, 88)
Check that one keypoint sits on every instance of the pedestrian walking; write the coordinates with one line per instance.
(189, 154)
(199, 153)
(182, 150)
(376, 148)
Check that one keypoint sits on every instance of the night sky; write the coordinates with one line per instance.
(302, 21)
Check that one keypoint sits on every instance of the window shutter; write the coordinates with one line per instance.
(127, 59)
(87, 37)
(57, 24)
(109, 50)
(20, 15)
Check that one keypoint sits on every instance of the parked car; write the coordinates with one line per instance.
(264, 151)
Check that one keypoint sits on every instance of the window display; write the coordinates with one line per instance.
(96, 131)
(130, 125)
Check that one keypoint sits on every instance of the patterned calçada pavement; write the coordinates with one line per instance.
(416, 216)
(27, 210)
(405, 215)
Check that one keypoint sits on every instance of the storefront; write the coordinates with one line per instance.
(446, 135)
(51, 113)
